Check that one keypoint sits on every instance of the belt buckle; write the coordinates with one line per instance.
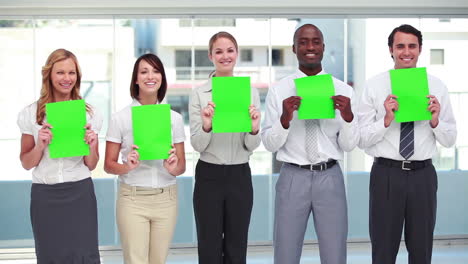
(322, 166)
(403, 165)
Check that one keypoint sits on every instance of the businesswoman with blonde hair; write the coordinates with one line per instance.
(63, 202)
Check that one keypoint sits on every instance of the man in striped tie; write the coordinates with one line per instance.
(403, 181)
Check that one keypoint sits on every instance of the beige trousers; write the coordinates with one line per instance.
(146, 218)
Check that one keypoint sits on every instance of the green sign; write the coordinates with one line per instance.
(316, 92)
(152, 130)
(68, 121)
(231, 96)
(411, 88)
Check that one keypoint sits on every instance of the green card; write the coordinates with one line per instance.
(68, 121)
(316, 92)
(231, 96)
(152, 130)
(411, 88)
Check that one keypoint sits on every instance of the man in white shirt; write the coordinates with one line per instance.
(403, 181)
(310, 179)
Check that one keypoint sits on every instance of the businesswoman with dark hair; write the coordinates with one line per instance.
(147, 201)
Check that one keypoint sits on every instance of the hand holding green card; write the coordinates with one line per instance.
(152, 130)
(411, 88)
(231, 96)
(316, 92)
(68, 121)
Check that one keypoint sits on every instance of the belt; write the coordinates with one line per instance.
(316, 167)
(404, 164)
(137, 190)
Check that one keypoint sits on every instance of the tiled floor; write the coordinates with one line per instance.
(358, 253)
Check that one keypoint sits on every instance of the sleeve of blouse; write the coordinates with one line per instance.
(96, 120)
(178, 133)
(114, 134)
(24, 121)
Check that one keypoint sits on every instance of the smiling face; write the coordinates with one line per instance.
(148, 79)
(63, 77)
(308, 47)
(405, 50)
(224, 56)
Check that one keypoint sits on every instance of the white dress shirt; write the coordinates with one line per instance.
(58, 170)
(219, 148)
(334, 135)
(378, 141)
(150, 173)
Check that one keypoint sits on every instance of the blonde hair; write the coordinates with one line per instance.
(47, 91)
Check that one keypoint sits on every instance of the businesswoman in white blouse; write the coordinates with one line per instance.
(223, 194)
(147, 201)
(63, 203)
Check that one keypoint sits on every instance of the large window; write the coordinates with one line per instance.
(356, 49)
(183, 62)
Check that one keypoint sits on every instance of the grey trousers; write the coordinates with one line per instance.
(300, 192)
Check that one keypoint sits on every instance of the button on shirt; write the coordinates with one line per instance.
(334, 135)
(219, 148)
(58, 170)
(150, 173)
(378, 141)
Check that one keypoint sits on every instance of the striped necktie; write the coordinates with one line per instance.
(311, 140)
(407, 139)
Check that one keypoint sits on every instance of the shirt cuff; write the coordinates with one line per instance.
(252, 141)
(380, 128)
(26, 132)
(353, 123)
(178, 140)
(439, 126)
(279, 130)
(200, 140)
(112, 139)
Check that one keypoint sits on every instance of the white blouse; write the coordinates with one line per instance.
(150, 173)
(58, 170)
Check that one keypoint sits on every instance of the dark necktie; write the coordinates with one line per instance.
(407, 139)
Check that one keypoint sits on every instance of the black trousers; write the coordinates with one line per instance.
(222, 201)
(402, 198)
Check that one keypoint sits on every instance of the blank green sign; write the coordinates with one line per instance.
(152, 130)
(316, 92)
(68, 121)
(411, 88)
(231, 96)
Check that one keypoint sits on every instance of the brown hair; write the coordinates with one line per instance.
(405, 28)
(47, 91)
(221, 34)
(154, 61)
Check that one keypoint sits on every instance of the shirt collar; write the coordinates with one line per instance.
(135, 102)
(300, 74)
(205, 87)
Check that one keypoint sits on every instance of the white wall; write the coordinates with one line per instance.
(238, 7)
